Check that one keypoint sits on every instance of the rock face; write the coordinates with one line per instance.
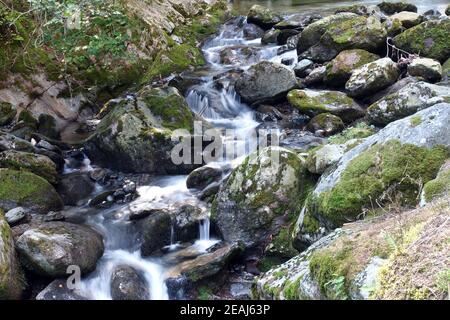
(25, 189)
(135, 134)
(11, 277)
(128, 284)
(355, 262)
(322, 40)
(258, 194)
(263, 17)
(372, 77)
(49, 249)
(429, 39)
(372, 167)
(407, 101)
(340, 68)
(265, 81)
(408, 19)
(38, 164)
(314, 102)
(429, 69)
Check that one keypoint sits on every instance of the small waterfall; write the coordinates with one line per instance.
(204, 231)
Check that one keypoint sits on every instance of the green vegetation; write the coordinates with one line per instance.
(96, 43)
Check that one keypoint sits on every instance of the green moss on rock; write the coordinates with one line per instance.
(313, 103)
(439, 186)
(37, 164)
(22, 188)
(340, 68)
(429, 39)
(389, 171)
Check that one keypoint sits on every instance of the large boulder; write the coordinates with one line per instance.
(394, 7)
(407, 101)
(128, 284)
(11, 276)
(340, 68)
(263, 17)
(363, 175)
(429, 39)
(312, 33)
(75, 187)
(265, 81)
(51, 248)
(372, 77)
(408, 19)
(40, 165)
(156, 232)
(135, 134)
(25, 189)
(314, 102)
(341, 32)
(267, 188)
(429, 69)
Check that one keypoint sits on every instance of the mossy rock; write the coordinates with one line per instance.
(379, 174)
(25, 189)
(169, 107)
(267, 186)
(429, 39)
(394, 7)
(340, 68)
(337, 103)
(355, 32)
(312, 33)
(325, 124)
(406, 101)
(440, 186)
(263, 17)
(38, 164)
(135, 135)
(51, 248)
(12, 281)
(7, 113)
(372, 77)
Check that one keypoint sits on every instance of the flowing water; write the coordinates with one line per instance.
(215, 99)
